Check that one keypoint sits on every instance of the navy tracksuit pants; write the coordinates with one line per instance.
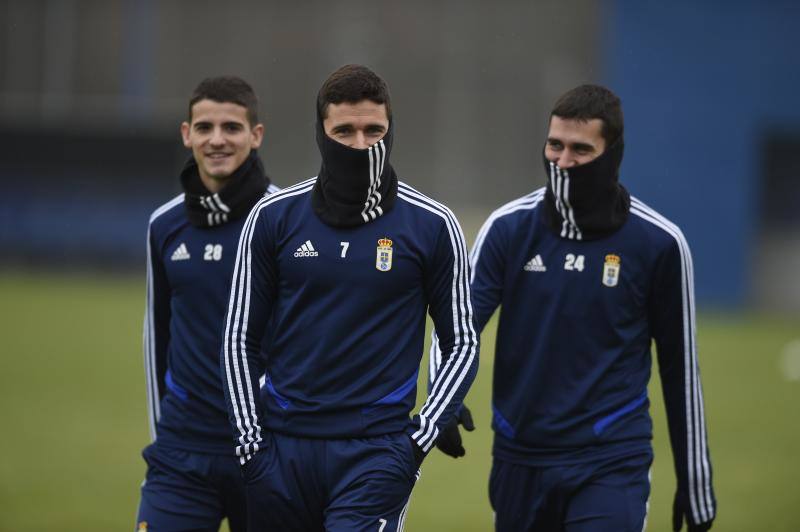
(605, 496)
(309, 485)
(186, 490)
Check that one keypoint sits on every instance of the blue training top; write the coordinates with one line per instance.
(572, 358)
(189, 273)
(344, 312)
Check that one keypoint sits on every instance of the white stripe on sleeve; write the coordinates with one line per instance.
(699, 473)
(237, 373)
(464, 352)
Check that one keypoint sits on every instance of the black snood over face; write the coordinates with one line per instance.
(587, 202)
(245, 187)
(354, 186)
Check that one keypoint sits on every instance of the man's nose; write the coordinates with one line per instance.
(216, 137)
(566, 159)
(360, 141)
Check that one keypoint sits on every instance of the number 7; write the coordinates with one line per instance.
(344, 245)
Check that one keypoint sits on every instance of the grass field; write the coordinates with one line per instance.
(72, 404)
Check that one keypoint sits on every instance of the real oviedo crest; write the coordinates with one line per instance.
(383, 257)
(611, 270)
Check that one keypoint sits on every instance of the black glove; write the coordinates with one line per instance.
(680, 509)
(449, 440)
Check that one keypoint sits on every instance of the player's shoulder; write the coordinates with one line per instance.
(518, 210)
(423, 204)
(169, 212)
(280, 198)
(272, 188)
(659, 228)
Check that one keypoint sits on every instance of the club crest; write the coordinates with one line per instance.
(611, 270)
(383, 258)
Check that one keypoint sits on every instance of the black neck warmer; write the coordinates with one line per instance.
(587, 202)
(354, 186)
(245, 187)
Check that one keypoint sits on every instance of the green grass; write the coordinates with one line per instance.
(73, 412)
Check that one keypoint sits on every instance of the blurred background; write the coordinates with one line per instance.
(92, 93)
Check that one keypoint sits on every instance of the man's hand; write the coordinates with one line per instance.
(449, 440)
(419, 454)
(680, 509)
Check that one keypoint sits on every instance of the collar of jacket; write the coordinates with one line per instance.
(587, 202)
(244, 188)
(354, 186)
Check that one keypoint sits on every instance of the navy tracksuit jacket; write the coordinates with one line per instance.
(344, 311)
(188, 278)
(572, 359)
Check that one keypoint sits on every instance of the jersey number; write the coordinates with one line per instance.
(344, 245)
(573, 263)
(213, 252)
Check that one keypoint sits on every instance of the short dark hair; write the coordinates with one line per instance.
(586, 102)
(352, 84)
(227, 89)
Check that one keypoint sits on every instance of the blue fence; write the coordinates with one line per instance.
(703, 85)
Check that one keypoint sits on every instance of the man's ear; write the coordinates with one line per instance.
(258, 135)
(185, 128)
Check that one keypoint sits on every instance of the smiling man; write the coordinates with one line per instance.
(193, 480)
(340, 271)
(586, 276)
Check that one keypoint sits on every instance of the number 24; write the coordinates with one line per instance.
(573, 263)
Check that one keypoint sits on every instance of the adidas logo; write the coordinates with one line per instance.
(535, 265)
(181, 253)
(306, 250)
